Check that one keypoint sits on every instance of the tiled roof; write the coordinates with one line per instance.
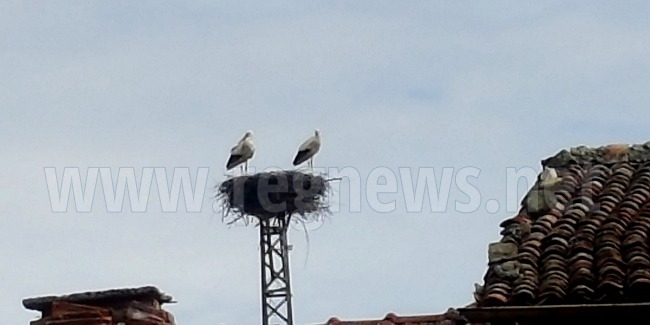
(580, 237)
(137, 306)
(134, 313)
(451, 317)
(150, 292)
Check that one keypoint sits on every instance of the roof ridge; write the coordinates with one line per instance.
(451, 314)
(41, 302)
(607, 154)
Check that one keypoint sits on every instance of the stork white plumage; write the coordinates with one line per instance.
(241, 153)
(308, 150)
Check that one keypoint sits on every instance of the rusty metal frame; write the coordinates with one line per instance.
(276, 282)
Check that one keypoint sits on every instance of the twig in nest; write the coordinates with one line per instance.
(275, 194)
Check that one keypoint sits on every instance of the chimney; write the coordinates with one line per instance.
(127, 306)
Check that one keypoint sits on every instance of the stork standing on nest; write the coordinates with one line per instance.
(308, 150)
(241, 153)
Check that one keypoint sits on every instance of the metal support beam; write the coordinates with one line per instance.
(276, 284)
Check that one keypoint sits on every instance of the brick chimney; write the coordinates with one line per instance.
(128, 306)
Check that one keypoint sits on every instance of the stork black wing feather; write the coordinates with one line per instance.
(300, 157)
(232, 161)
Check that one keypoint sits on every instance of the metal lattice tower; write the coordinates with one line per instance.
(276, 284)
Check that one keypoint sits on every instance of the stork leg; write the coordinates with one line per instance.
(246, 166)
(241, 168)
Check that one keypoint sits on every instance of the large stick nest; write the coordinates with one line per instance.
(274, 194)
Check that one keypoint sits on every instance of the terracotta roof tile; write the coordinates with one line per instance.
(41, 303)
(131, 306)
(451, 317)
(582, 240)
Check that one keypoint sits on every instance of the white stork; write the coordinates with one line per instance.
(241, 153)
(308, 150)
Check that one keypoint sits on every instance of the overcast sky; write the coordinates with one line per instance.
(416, 84)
